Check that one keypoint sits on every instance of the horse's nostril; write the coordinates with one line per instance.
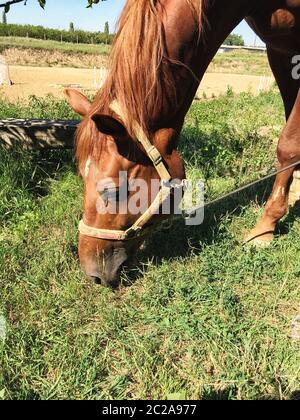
(113, 285)
(110, 283)
(95, 280)
(123, 267)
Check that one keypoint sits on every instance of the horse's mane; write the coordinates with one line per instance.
(140, 75)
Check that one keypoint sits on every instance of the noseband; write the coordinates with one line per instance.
(138, 229)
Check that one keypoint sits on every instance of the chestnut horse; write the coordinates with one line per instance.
(160, 54)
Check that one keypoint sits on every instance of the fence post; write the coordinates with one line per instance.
(4, 72)
(95, 77)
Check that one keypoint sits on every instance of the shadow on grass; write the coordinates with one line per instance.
(35, 169)
(181, 239)
(295, 396)
(221, 395)
(285, 225)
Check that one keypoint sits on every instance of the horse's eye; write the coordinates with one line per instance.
(110, 194)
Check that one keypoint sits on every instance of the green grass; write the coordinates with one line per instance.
(241, 62)
(66, 47)
(205, 318)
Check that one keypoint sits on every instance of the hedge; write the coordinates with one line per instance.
(39, 32)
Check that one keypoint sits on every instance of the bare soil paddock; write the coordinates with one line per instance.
(53, 58)
(40, 81)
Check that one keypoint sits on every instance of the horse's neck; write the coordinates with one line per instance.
(219, 22)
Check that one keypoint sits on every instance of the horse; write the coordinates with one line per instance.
(160, 53)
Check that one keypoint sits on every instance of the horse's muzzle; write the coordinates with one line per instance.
(109, 272)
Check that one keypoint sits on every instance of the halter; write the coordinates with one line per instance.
(138, 229)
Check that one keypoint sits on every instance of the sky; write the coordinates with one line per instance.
(58, 14)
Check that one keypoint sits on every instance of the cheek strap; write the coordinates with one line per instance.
(138, 229)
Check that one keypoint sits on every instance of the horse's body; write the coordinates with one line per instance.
(161, 53)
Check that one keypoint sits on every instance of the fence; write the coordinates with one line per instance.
(265, 83)
(4, 72)
(37, 134)
(229, 48)
(100, 76)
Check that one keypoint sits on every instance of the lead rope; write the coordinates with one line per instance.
(240, 189)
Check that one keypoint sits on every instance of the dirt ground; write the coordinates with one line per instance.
(54, 58)
(43, 80)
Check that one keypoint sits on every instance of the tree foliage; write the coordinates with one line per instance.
(7, 4)
(39, 32)
(235, 39)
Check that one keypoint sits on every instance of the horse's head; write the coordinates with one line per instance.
(122, 181)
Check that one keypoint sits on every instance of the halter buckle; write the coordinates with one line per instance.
(154, 155)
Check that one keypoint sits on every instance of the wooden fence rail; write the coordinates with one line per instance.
(37, 134)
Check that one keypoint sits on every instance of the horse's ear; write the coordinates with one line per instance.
(109, 126)
(78, 102)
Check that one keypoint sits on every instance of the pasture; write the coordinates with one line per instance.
(204, 317)
(241, 62)
(7, 42)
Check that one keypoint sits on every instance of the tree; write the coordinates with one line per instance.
(71, 28)
(235, 39)
(4, 18)
(6, 4)
(106, 28)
